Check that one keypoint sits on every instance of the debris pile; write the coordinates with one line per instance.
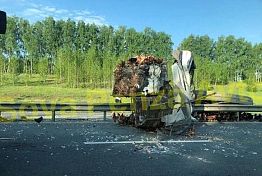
(125, 119)
(139, 74)
(228, 116)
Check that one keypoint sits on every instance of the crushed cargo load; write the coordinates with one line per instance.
(156, 101)
(159, 103)
(138, 75)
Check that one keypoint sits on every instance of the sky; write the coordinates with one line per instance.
(178, 18)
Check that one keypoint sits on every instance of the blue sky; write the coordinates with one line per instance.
(242, 18)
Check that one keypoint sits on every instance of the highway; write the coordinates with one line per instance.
(97, 147)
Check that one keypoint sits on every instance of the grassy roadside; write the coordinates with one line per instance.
(55, 94)
(240, 89)
(51, 94)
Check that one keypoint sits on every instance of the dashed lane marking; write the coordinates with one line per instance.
(146, 142)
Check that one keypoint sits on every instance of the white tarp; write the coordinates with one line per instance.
(181, 81)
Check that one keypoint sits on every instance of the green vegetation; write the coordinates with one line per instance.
(240, 88)
(65, 61)
(79, 55)
(222, 61)
(55, 94)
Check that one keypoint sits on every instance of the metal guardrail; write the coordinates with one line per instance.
(53, 107)
(117, 107)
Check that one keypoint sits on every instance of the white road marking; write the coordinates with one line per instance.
(146, 142)
(7, 138)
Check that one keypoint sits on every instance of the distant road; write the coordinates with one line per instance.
(103, 148)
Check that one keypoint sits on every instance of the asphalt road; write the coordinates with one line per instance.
(104, 148)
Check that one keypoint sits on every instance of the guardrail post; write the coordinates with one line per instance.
(53, 116)
(104, 115)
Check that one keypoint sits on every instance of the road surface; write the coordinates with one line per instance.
(102, 148)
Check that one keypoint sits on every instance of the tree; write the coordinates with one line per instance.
(1, 69)
(163, 45)
(81, 37)
(119, 41)
(50, 45)
(43, 68)
(78, 54)
(11, 45)
(107, 69)
(237, 53)
(202, 46)
(93, 67)
(27, 45)
(13, 66)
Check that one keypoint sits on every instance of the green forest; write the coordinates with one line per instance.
(74, 53)
(78, 55)
(224, 60)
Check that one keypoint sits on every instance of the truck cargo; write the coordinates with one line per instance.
(139, 74)
(161, 103)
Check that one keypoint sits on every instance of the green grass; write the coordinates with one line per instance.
(32, 88)
(240, 88)
(26, 79)
(58, 94)
(52, 94)
(55, 94)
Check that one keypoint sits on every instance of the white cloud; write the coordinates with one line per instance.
(34, 12)
(61, 11)
(31, 12)
(89, 19)
(50, 9)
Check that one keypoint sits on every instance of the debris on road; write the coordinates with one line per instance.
(38, 120)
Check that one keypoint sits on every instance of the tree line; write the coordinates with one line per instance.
(84, 55)
(77, 54)
(223, 60)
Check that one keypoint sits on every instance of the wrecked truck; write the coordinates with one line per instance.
(157, 102)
